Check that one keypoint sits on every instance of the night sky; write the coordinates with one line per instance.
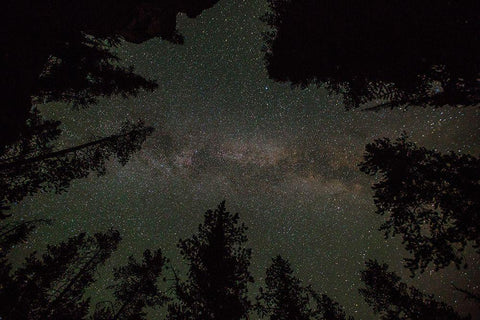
(284, 158)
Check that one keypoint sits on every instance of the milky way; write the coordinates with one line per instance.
(284, 158)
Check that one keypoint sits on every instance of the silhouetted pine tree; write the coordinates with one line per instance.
(53, 286)
(404, 52)
(12, 234)
(33, 165)
(218, 275)
(432, 200)
(135, 289)
(326, 308)
(392, 299)
(284, 297)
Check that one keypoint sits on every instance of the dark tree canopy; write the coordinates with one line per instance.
(135, 289)
(392, 299)
(52, 286)
(432, 200)
(59, 50)
(284, 297)
(33, 165)
(403, 52)
(328, 309)
(218, 274)
(12, 234)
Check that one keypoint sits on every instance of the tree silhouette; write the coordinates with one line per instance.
(53, 286)
(218, 275)
(392, 299)
(59, 50)
(402, 52)
(431, 200)
(12, 234)
(33, 165)
(284, 297)
(135, 289)
(328, 309)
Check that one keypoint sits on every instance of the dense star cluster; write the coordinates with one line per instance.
(285, 158)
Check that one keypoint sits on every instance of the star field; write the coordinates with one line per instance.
(284, 158)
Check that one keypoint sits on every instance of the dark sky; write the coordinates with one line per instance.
(285, 159)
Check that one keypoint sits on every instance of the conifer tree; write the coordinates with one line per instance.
(218, 262)
(135, 289)
(285, 298)
(52, 286)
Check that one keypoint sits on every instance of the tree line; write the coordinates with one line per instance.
(430, 199)
(53, 285)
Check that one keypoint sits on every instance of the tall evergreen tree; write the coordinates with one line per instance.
(432, 200)
(402, 52)
(135, 289)
(11, 234)
(52, 286)
(392, 299)
(284, 297)
(218, 274)
(327, 308)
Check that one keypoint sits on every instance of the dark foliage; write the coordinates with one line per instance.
(32, 165)
(135, 289)
(59, 50)
(12, 234)
(84, 70)
(52, 286)
(218, 275)
(327, 309)
(403, 52)
(392, 299)
(284, 297)
(431, 199)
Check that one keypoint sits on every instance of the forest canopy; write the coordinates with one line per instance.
(60, 51)
(396, 52)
